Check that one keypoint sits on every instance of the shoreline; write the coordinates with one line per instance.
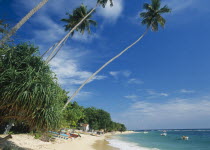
(87, 142)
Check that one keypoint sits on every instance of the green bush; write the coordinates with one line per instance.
(29, 90)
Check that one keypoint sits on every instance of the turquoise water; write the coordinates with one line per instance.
(198, 140)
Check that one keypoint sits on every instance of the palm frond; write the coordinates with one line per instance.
(147, 6)
(165, 9)
(155, 26)
(155, 4)
(161, 21)
(103, 3)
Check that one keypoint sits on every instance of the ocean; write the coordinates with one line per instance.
(198, 140)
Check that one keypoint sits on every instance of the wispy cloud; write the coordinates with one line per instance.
(117, 74)
(86, 38)
(186, 91)
(135, 81)
(176, 113)
(154, 94)
(179, 5)
(69, 72)
(131, 97)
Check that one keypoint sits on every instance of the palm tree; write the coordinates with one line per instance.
(22, 21)
(72, 20)
(151, 18)
(57, 46)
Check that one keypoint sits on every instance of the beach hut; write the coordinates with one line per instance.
(85, 127)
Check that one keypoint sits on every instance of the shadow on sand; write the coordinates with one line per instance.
(5, 144)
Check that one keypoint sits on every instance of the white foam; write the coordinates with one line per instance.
(122, 145)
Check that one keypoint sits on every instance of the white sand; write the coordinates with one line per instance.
(86, 142)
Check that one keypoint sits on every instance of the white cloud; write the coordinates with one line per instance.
(154, 94)
(164, 94)
(114, 73)
(68, 71)
(178, 5)
(83, 95)
(132, 97)
(51, 31)
(186, 91)
(177, 113)
(135, 81)
(117, 74)
(86, 38)
(112, 13)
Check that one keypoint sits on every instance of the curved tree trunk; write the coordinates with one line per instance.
(53, 53)
(20, 23)
(107, 63)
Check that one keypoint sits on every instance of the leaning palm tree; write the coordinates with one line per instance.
(58, 45)
(151, 18)
(22, 21)
(72, 20)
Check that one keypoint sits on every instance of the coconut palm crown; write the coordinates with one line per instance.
(104, 2)
(78, 14)
(152, 17)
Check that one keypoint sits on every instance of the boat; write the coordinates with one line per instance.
(163, 134)
(185, 138)
(145, 132)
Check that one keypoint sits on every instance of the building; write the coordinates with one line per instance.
(85, 127)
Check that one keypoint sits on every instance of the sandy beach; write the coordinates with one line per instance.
(87, 142)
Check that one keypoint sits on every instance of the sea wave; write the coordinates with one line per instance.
(122, 145)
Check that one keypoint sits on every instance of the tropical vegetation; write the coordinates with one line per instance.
(30, 96)
(29, 90)
(32, 99)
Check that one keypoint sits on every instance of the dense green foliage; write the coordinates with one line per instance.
(72, 114)
(31, 97)
(98, 119)
(29, 90)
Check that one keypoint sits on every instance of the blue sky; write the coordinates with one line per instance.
(162, 82)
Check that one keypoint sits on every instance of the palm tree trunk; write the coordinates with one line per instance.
(20, 23)
(49, 50)
(107, 63)
(58, 50)
(68, 34)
